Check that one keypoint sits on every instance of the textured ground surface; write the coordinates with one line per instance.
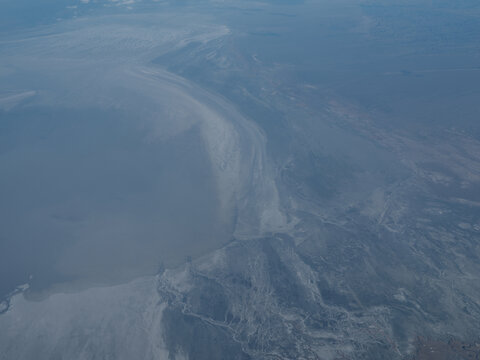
(254, 180)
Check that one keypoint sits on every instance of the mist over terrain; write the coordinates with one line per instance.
(239, 179)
